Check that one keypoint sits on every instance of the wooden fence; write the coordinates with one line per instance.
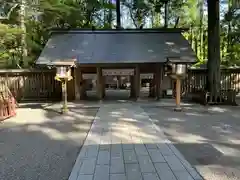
(28, 84)
(197, 78)
(40, 84)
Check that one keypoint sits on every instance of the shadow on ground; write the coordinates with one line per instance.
(208, 137)
(41, 144)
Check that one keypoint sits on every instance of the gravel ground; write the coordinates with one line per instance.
(207, 137)
(41, 144)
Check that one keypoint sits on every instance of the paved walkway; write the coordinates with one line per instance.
(124, 144)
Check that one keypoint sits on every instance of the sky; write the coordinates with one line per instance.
(127, 21)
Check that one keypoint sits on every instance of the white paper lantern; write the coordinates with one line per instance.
(63, 72)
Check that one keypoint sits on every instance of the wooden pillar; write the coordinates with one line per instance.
(132, 90)
(152, 86)
(70, 87)
(178, 94)
(118, 81)
(99, 83)
(137, 82)
(103, 86)
(161, 81)
(157, 81)
(76, 83)
(83, 92)
(80, 89)
(64, 96)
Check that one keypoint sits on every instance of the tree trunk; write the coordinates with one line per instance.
(191, 36)
(229, 37)
(152, 18)
(157, 20)
(196, 43)
(110, 16)
(205, 42)
(201, 30)
(213, 64)
(118, 13)
(22, 15)
(166, 14)
(105, 15)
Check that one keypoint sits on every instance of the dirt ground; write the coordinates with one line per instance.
(208, 137)
(40, 144)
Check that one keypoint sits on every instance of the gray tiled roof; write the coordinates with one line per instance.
(116, 47)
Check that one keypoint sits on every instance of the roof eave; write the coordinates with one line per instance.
(148, 30)
(182, 60)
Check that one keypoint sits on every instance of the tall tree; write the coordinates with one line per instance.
(213, 64)
(22, 17)
(118, 13)
(200, 7)
(139, 10)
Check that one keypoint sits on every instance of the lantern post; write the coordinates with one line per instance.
(63, 74)
(178, 71)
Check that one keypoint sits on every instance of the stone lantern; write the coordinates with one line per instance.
(63, 74)
(178, 71)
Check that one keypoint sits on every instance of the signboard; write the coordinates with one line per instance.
(146, 76)
(169, 92)
(118, 72)
(90, 76)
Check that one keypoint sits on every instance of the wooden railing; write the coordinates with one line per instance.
(194, 87)
(197, 78)
(32, 84)
(37, 84)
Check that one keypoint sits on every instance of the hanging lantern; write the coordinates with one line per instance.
(61, 72)
(180, 69)
(63, 69)
(177, 68)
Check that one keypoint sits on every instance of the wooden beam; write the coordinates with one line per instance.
(99, 83)
(178, 95)
(137, 82)
(157, 81)
(132, 90)
(76, 83)
(152, 86)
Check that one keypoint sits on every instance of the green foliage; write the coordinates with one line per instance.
(9, 45)
(197, 35)
(230, 38)
(139, 11)
(43, 15)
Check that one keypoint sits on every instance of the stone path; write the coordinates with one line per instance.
(124, 144)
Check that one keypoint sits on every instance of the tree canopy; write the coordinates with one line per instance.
(25, 24)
